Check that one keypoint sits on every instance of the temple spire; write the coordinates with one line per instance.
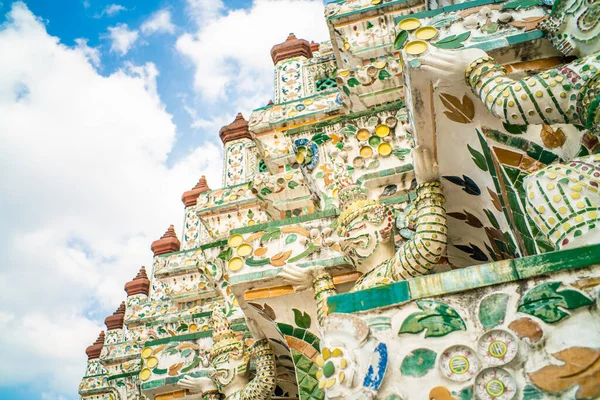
(168, 243)
(190, 197)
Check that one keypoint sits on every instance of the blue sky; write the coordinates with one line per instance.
(109, 111)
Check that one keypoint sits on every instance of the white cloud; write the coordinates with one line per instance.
(110, 10)
(122, 38)
(85, 190)
(159, 22)
(92, 53)
(239, 62)
(205, 10)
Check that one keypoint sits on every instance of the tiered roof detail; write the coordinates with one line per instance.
(95, 349)
(292, 47)
(190, 197)
(168, 243)
(139, 285)
(238, 129)
(115, 321)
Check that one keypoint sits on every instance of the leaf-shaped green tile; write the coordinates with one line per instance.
(438, 319)
(478, 159)
(400, 39)
(547, 304)
(492, 310)
(452, 41)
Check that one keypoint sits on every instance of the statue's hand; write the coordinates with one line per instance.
(448, 64)
(299, 278)
(202, 384)
(426, 168)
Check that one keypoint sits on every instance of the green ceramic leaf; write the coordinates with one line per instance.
(291, 238)
(515, 129)
(302, 319)
(401, 38)
(265, 191)
(311, 248)
(346, 90)
(225, 255)
(478, 159)
(349, 130)
(418, 362)
(492, 310)
(401, 153)
(546, 303)
(292, 184)
(490, 28)
(438, 319)
(274, 233)
(383, 75)
(252, 262)
(531, 393)
(353, 82)
(452, 41)
(464, 394)
(490, 215)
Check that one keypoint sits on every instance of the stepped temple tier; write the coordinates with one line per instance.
(415, 215)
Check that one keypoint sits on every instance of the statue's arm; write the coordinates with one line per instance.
(548, 97)
(317, 278)
(263, 384)
(419, 255)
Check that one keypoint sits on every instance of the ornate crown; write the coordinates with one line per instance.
(224, 339)
(353, 200)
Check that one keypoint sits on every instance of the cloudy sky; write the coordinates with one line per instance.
(109, 111)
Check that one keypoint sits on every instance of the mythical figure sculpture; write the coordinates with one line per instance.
(365, 228)
(563, 198)
(227, 378)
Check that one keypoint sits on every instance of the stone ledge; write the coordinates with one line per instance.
(465, 279)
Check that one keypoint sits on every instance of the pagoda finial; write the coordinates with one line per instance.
(95, 349)
(190, 197)
(115, 321)
(314, 46)
(168, 243)
(292, 47)
(139, 285)
(238, 129)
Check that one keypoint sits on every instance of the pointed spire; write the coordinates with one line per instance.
(190, 197)
(314, 46)
(115, 321)
(95, 349)
(292, 47)
(270, 103)
(168, 243)
(238, 129)
(139, 285)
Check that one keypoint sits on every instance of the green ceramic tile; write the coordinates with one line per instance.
(582, 257)
(462, 279)
(381, 296)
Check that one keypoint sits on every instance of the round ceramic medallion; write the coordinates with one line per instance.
(459, 363)
(363, 135)
(152, 362)
(385, 149)
(416, 47)
(244, 250)
(235, 264)
(497, 347)
(495, 384)
(235, 240)
(409, 24)
(426, 33)
(358, 162)
(147, 352)
(145, 374)
(366, 152)
(374, 140)
(382, 130)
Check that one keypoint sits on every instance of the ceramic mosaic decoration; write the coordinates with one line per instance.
(415, 215)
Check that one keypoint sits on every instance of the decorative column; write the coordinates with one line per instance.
(137, 290)
(191, 225)
(240, 154)
(289, 59)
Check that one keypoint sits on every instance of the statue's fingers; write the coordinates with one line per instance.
(434, 62)
(435, 70)
(289, 278)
